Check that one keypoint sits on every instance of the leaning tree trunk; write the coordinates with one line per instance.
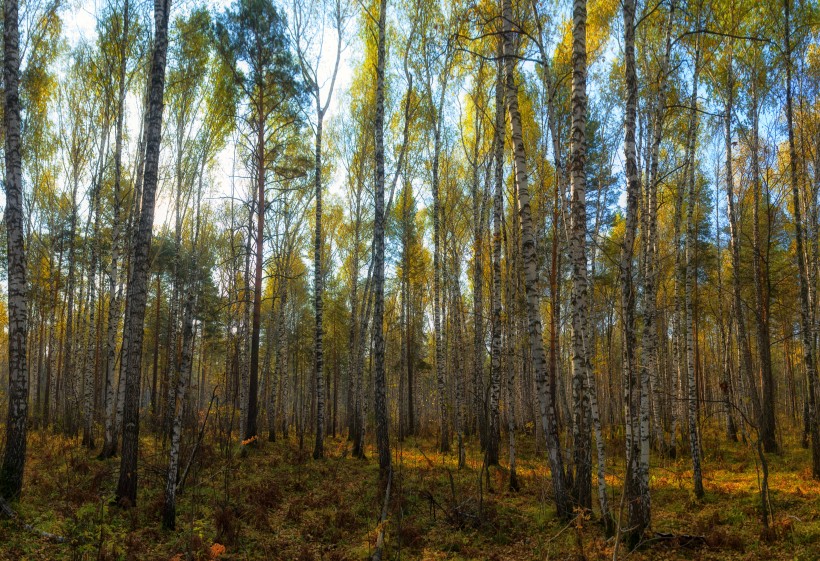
(545, 393)
(11, 474)
(138, 283)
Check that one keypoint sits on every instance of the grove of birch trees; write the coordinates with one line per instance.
(586, 229)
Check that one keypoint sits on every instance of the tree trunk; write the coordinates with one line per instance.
(137, 286)
(444, 443)
(637, 496)
(579, 302)
(14, 458)
(691, 271)
(184, 380)
(805, 308)
(318, 355)
(91, 350)
(495, 356)
(546, 396)
(649, 350)
(493, 429)
(380, 384)
(746, 370)
(251, 425)
(761, 274)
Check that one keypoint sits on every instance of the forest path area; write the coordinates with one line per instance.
(272, 501)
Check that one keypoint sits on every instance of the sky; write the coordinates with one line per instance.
(79, 24)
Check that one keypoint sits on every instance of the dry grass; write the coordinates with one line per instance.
(274, 502)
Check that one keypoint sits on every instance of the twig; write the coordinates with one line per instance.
(377, 556)
(181, 483)
(8, 512)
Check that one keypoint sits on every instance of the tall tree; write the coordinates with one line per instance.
(252, 34)
(802, 269)
(689, 296)
(14, 458)
(120, 31)
(637, 497)
(380, 384)
(545, 392)
(579, 304)
(138, 276)
(312, 19)
(493, 428)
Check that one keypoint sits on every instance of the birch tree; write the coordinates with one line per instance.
(379, 386)
(14, 458)
(579, 304)
(310, 24)
(126, 493)
(545, 394)
(636, 495)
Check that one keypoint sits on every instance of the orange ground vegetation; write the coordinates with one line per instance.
(272, 501)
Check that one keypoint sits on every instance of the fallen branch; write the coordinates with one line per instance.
(377, 556)
(8, 512)
(181, 482)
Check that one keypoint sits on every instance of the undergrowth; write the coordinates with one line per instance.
(272, 501)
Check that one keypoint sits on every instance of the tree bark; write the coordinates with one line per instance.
(14, 458)
(546, 396)
(691, 271)
(126, 493)
(579, 302)
(637, 496)
(318, 350)
(493, 429)
(761, 273)
(746, 369)
(380, 384)
(805, 307)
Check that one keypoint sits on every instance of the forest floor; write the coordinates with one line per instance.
(272, 501)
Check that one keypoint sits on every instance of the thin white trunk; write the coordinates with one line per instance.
(691, 241)
(546, 398)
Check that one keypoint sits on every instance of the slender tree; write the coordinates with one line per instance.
(14, 458)
(138, 276)
(252, 33)
(545, 393)
(802, 269)
(579, 303)
(382, 434)
(637, 497)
